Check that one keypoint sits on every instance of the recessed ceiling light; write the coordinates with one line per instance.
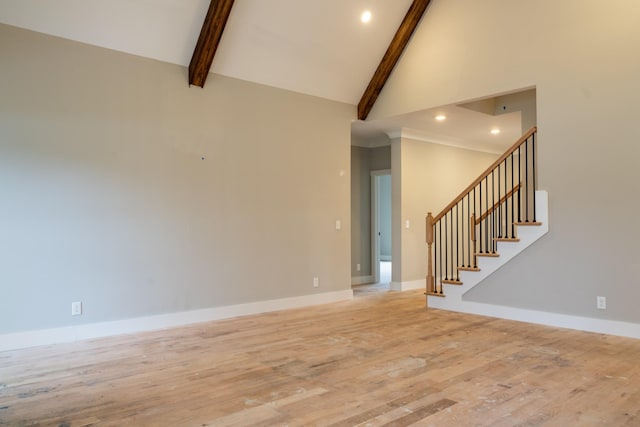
(441, 117)
(495, 131)
(366, 16)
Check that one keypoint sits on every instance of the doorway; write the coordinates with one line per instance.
(381, 226)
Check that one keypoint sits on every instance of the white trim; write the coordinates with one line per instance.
(588, 324)
(163, 321)
(361, 280)
(408, 285)
(394, 134)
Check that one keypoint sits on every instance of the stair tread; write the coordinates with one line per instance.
(451, 282)
(468, 269)
(506, 239)
(435, 294)
(527, 223)
(488, 254)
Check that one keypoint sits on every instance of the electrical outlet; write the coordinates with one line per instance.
(357, 267)
(338, 224)
(601, 303)
(76, 308)
(316, 282)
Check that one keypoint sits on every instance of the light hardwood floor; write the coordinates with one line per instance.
(378, 360)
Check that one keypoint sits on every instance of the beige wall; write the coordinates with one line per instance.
(106, 198)
(363, 161)
(581, 55)
(431, 176)
(524, 101)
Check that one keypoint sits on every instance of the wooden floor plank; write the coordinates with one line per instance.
(382, 359)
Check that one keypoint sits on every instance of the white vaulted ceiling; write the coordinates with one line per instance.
(315, 47)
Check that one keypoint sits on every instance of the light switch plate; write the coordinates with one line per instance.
(76, 308)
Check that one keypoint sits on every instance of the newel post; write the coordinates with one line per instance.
(429, 236)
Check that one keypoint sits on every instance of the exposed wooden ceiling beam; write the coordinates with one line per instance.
(391, 56)
(208, 41)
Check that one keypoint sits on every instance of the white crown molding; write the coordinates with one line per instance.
(394, 134)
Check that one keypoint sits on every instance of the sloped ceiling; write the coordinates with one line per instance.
(463, 128)
(467, 125)
(315, 47)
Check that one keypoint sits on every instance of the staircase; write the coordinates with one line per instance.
(496, 217)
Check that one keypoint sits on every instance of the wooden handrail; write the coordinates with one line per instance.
(498, 203)
(486, 173)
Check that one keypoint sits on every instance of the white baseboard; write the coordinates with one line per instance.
(587, 324)
(361, 280)
(409, 285)
(162, 321)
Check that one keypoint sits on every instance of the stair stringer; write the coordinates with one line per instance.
(488, 265)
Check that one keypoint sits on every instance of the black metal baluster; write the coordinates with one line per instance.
(513, 197)
(469, 229)
(506, 202)
(493, 231)
(440, 226)
(533, 167)
(435, 261)
(435, 258)
(526, 176)
(493, 210)
(475, 246)
(457, 263)
(451, 230)
(499, 216)
(480, 210)
(486, 213)
(446, 249)
(520, 179)
(462, 247)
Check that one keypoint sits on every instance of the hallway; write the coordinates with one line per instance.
(384, 285)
